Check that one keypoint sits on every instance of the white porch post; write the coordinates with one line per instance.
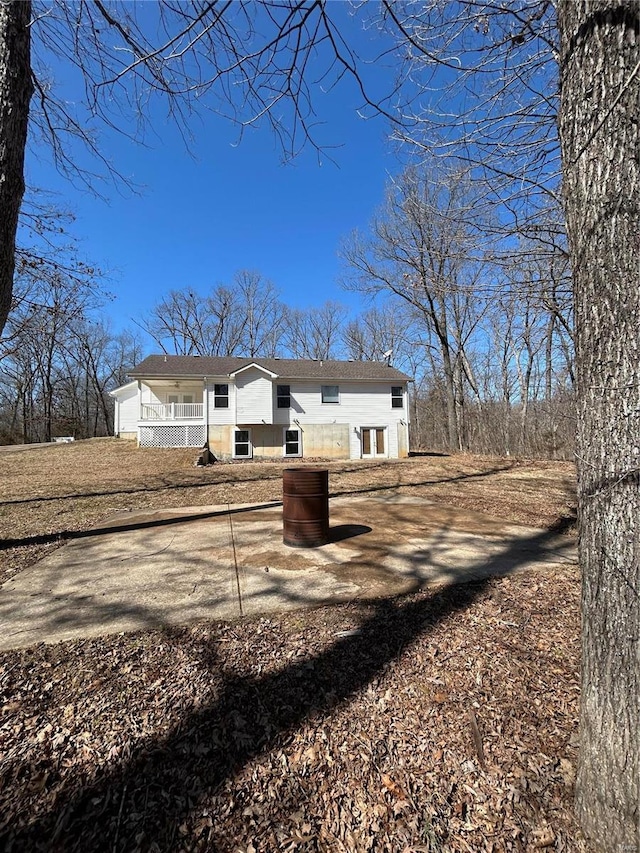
(205, 409)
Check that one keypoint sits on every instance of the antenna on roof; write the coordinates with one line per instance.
(388, 355)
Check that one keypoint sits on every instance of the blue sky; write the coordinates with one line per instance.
(200, 218)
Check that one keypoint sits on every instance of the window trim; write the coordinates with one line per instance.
(285, 430)
(217, 396)
(397, 397)
(249, 443)
(329, 402)
(280, 396)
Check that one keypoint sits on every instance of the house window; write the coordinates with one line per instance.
(292, 443)
(242, 444)
(330, 394)
(173, 398)
(187, 398)
(397, 397)
(283, 396)
(221, 396)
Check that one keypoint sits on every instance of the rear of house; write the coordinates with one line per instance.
(257, 408)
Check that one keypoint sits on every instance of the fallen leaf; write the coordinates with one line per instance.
(392, 786)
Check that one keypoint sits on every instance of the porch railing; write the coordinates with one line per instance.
(170, 411)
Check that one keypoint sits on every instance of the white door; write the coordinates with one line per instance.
(373, 442)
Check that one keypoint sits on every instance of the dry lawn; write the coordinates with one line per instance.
(440, 721)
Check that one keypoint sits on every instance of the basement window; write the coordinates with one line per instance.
(292, 443)
(242, 444)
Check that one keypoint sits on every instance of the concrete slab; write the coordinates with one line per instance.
(156, 568)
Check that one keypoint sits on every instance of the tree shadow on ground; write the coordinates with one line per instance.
(155, 788)
(117, 526)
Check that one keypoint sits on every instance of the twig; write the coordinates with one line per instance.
(115, 840)
(8, 672)
(477, 739)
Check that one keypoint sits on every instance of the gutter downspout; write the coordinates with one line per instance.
(205, 411)
(116, 418)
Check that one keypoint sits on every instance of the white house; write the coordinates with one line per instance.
(266, 408)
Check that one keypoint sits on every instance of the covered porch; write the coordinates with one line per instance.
(178, 400)
(171, 414)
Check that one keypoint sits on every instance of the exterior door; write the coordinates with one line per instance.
(373, 442)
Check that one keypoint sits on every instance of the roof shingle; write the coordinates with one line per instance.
(158, 366)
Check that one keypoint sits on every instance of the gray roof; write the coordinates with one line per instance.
(158, 366)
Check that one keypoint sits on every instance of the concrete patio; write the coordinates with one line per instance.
(153, 569)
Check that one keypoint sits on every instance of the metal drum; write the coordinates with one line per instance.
(305, 507)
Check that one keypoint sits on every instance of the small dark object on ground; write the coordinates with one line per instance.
(206, 457)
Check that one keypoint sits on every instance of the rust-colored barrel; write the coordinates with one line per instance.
(305, 507)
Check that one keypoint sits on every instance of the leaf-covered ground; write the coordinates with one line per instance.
(442, 721)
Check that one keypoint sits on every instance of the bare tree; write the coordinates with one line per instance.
(423, 251)
(263, 312)
(498, 108)
(183, 322)
(381, 330)
(243, 318)
(488, 72)
(314, 332)
(16, 87)
(40, 330)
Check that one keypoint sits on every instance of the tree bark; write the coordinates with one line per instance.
(16, 88)
(600, 93)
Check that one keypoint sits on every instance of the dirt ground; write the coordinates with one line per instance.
(433, 721)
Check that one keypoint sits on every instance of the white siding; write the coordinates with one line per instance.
(128, 410)
(254, 397)
(362, 404)
(150, 395)
(359, 401)
(221, 416)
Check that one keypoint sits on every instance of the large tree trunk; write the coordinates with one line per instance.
(16, 88)
(600, 83)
